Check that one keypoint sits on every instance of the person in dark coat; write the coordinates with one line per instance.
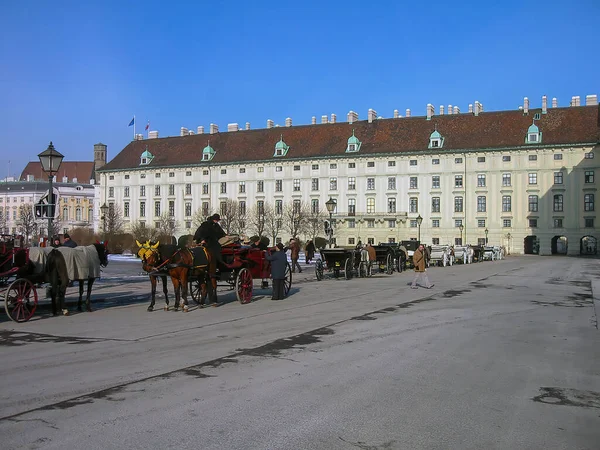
(68, 242)
(56, 242)
(309, 251)
(209, 233)
(279, 262)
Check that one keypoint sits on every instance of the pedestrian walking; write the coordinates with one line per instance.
(309, 251)
(278, 260)
(420, 270)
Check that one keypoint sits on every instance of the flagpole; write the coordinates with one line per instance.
(134, 127)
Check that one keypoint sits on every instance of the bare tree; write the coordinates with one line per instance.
(295, 217)
(166, 227)
(273, 223)
(229, 212)
(315, 222)
(142, 233)
(113, 222)
(27, 222)
(198, 218)
(257, 219)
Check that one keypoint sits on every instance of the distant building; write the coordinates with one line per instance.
(523, 179)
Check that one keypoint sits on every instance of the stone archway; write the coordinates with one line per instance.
(531, 245)
(588, 245)
(559, 245)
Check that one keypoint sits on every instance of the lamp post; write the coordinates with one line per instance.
(486, 235)
(50, 159)
(461, 227)
(419, 222)
(103, 212)
(330, 205)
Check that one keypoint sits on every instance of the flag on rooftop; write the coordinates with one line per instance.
(132, 122)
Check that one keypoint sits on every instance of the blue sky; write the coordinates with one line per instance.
(75, 73)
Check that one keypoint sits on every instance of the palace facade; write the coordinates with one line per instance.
(523, 178)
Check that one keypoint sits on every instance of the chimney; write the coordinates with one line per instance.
(214, 128)
(313, 120)
(525, 106)
(65, 179)
(442, 110)
(554, 102)
(470, 108)
(371, 115)
(288, 122)
(324, 119)
(456, 110)
(190, 133)
(74, 180)
(430, 111)
(407, 112)
(32, 178)
(200, 130)
(183, 131)
(476, 109)
(139, 137)
(352, 117)
(591, 100)
(450, 109)
(333, 118)
(233, 127)
(520, 108)
(153, 135)
(247, 125)
(544, 104)
(577, 100)
(270, 123)
(396, 114)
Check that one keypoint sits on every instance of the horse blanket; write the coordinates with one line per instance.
(199, 255)
(82, 262)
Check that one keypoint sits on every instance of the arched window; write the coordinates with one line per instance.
(78, 214)
(65, 214)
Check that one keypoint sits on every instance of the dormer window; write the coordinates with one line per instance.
(208, 153)
(146, 157)
(436, 140)
(353, 144)
(281, 148)
(534, 135)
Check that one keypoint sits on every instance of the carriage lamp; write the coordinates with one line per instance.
(50, 159)
(103, 212)
(486, 235)
(330, 205)
(461, 227)
(419, 222)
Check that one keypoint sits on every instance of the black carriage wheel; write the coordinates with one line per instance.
(389, 264)
(319, 270)
(243, 286)
(20, 300)
(287, 282)
(348, 269)
(196, 291)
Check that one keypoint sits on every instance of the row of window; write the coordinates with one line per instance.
(352, 165)
(589, 178)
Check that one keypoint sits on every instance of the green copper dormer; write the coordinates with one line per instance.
(281, 148)
(436, 140)
(534, 135)
(353, 144)
(208, 153)
(146, 157)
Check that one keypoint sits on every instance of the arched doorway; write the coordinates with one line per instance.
(588, 245)
(531, 245)
(559, 245)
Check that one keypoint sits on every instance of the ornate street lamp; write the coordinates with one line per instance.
(50, 159)
(330, 205)
(419, 222)
(461, 227)
(103, 213)
(486, 236)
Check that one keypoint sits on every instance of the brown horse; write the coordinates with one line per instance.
(149, 264)
(161, 260)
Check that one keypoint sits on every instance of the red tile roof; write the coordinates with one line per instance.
(489, 130)
(82, 170)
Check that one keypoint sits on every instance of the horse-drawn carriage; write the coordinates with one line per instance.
(20, 295)
(441, 255)
(494, 253)
(241, 266)
(390, 257)
(340, 261)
